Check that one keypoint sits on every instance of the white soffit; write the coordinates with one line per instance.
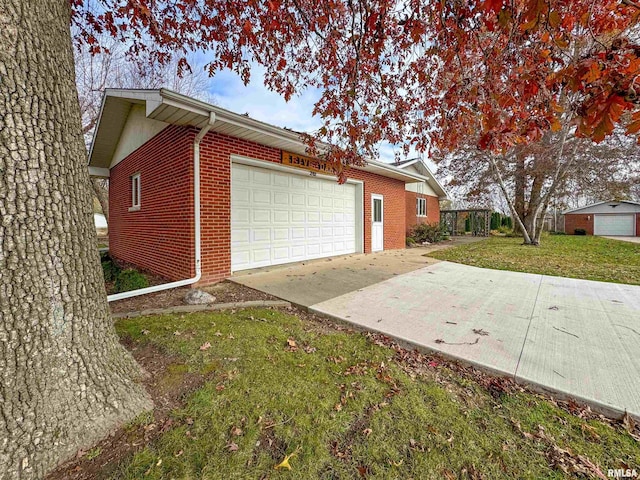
(176, 109)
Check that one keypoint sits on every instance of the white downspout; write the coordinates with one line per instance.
(198, 248)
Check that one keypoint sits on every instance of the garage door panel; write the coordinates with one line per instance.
(279, 217)
(262, 235)
(280, 179)
(240, 236)
(240, 215)
(281, 198)
(262, 197)
(614, 225)
(261, 216)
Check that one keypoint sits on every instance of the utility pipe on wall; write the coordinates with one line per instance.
(197, 243)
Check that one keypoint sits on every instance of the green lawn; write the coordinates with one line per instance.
(588, 257)
(349, 407)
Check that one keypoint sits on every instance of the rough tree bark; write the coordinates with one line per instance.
(65, 380)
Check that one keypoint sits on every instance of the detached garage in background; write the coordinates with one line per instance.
(615, 218)
(198, 192)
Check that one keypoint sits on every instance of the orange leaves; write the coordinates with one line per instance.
(601, 117)
(593, 73)
(634, 127)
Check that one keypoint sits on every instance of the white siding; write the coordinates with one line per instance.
(137, 130)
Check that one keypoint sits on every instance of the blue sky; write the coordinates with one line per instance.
(228, 91)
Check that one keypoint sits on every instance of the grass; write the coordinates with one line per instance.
(587, 257)
(348, 407)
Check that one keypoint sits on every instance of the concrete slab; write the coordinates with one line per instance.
(472, 313)
(315, 281)
(626, 239)
(573, 337)
(583, 354)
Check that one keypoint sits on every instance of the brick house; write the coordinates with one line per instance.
(614, 218)
(198, 192)
(422, 198)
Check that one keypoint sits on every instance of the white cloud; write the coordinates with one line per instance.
(262, 104)
(228, 91)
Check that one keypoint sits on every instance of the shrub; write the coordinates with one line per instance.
(411, 242)
(130, 279)
(110, 270)
(425, 232)
(579, 231)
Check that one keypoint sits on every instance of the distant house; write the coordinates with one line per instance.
(198, 192)
(422, 198)
(614, 218)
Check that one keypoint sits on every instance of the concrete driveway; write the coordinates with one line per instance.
(576, 338)
(314, 281)
(626, 239)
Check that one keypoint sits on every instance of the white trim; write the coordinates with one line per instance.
(377, 196)
(576, 210)
(421, 200)
(136, 191)
(99, 172)
(157, 100)
(252, 162)
(430, 175)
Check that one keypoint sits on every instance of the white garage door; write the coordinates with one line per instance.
(622, 225)
(278, 217)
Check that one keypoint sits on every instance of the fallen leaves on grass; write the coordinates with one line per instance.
(560, 458)
(232, 447)
(285, 463)
(569, 463)
(292, 346)
(205, 346)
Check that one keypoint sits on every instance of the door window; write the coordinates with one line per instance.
(377, 210)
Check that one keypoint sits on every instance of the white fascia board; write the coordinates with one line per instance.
(576, 210)
(98, 172)
(95, 129)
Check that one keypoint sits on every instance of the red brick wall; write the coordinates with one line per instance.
(637, 224)
(433, 210)
(215, 188)
(159, 236)
(394, 207)
(576, 220)
(215, 152)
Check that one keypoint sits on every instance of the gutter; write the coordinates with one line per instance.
(197, 243)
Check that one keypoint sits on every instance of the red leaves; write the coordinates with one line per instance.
(495, 71)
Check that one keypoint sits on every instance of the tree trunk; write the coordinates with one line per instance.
(65, 380)
(520, 182)
(101, 191)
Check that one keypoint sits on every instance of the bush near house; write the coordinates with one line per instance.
(110, 269)
(428, 232)
(130, 279)
(579, 231)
